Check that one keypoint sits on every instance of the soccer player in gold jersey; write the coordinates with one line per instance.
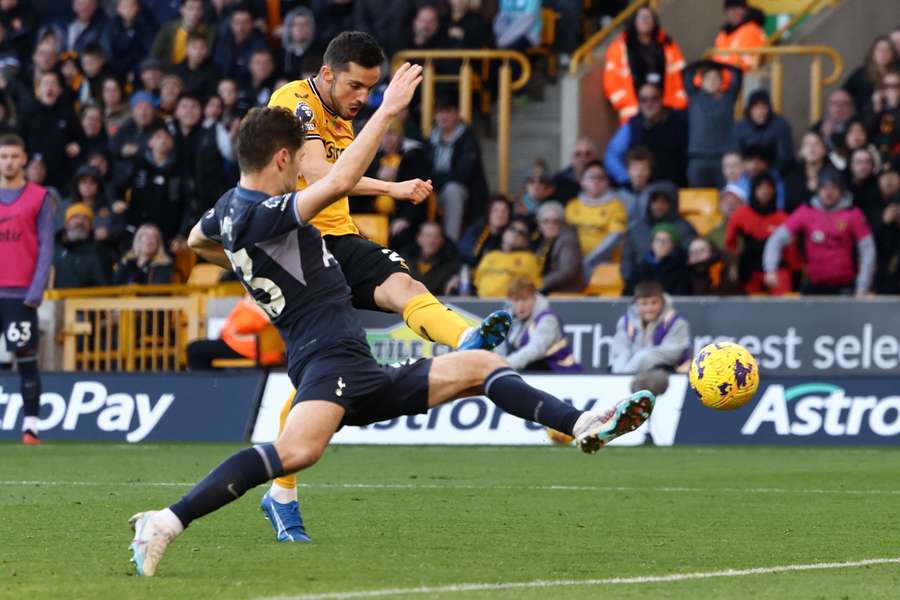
(378, 277)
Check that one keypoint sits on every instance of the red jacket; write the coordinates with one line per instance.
(753, 229)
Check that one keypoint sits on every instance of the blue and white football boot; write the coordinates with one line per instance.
(600, 428)
(285, 518)
(149, 543)
(489, 334)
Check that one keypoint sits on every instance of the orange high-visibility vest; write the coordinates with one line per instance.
(748, 35)
(619, 84)
(247, 321)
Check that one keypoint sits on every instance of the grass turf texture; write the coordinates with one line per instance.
(461, 515)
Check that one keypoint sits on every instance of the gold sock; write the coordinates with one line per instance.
(287, 482)
(425, 315)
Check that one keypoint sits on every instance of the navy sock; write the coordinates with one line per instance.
(31, 384)
(229, 481)
(509, 391)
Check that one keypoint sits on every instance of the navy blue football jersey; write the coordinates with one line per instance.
(286, 268)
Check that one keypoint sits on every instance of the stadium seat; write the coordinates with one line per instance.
(547, 49)
(606, 280)
(700, 207)
(205, 274)
(374, 227)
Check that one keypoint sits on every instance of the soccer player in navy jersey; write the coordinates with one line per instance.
(261, 230)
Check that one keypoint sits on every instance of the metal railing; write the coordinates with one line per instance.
(130, 334)
(585, 52)
(227, 288)
(817, 83)
(466, 80)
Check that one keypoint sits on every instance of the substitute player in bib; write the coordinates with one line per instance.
(263, 229)
(378, 277)
(26, 245)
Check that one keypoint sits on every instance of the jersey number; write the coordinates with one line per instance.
(265, 291)
(19, 333)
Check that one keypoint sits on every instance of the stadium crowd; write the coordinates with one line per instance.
(128, 109)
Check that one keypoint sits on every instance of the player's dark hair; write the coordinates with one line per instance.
(649, 288)
(11, 139)
(353, 47)
(263, 132)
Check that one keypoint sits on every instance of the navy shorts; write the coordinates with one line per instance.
(19, 324)
(369, 392)
(366, 265)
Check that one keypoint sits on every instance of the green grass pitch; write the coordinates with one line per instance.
(404, 517)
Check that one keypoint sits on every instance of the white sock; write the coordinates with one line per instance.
(168, 522)
(283, 495)
(582, 422)
(30, 424)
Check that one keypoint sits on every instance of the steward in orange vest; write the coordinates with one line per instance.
(742, 29)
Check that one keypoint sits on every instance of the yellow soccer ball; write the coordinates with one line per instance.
(725, 375)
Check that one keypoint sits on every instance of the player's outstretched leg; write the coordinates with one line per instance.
(305, 437)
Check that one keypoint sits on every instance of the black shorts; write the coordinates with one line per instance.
(366, 265)
(19, 324)
(369, 392)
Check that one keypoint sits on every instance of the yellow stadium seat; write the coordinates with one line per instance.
(205, 274)
(373, 227)
(547, 49)
(606, 280)
(700, 207)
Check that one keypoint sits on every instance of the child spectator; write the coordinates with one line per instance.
(536, 341)
(486, 234)
(598, 215)
(639, 161)
(758, 161)
(710, 118)
(558, 251)
(500, 267)
(730, 198)
(832, 229)
(665, 262)
(147, 262)
(732, 167)
(705, 266)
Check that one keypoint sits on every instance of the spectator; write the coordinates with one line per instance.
(742, 29)
(78, 261)
(302, 54)
(388, 22)
(705, 266)
(131, 138)
(115, 108)
(186, 131)
(838, 114)
(228, 92)
(44, 59)
(215, 156)
(500, 267)
(863, 186)
(639, 162)
(19, 20)
(247, 333)
(426, 28)
(887, 235)
(861, 83)
(108, 225)
(50, 129)
(749, 228)
(93, 137)
(333, 17)
(643, 53)
(156, 192)
(536, 341)
(456, 165)
(802, 180)
(538, 190)
(832, 228)
(762, 127)
(259, 83)
(733, 167)
(855, 137)
(651, 335)
(731, 197)
(170, 45)
(662, 207)
(128, 37)
(170, 89)
(433, 259)
(94, 71)
(147, 262)
(568, 181)
(151, 76)
(663, 131)
(559, 251)
(237, 44)
(884, 123)
(517, 25)
(758, 161)
(665, 262)
(598, 215)
(486, 234)
(197, 71)
(465, 28)
(87, 27)
(711, 120)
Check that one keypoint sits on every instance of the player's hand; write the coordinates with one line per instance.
(415, 190)
(401, 89)
(771, 280)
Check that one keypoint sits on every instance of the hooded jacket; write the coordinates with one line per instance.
(538, 342)
(665, 342)
(637, 240)
(774, 134)
(300, 59)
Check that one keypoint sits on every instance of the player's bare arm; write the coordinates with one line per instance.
(207, 249)
(343, 177)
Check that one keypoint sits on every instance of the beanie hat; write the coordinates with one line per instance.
(733, 188)
(668, 228)
(143, 96)
(79, 208)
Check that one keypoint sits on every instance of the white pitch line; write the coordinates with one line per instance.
(540, 583)
(439, 486)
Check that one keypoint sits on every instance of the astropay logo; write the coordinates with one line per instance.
(815, 408)
(90, 404)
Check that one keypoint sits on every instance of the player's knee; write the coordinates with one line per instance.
(483, 364)
(297, 457)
